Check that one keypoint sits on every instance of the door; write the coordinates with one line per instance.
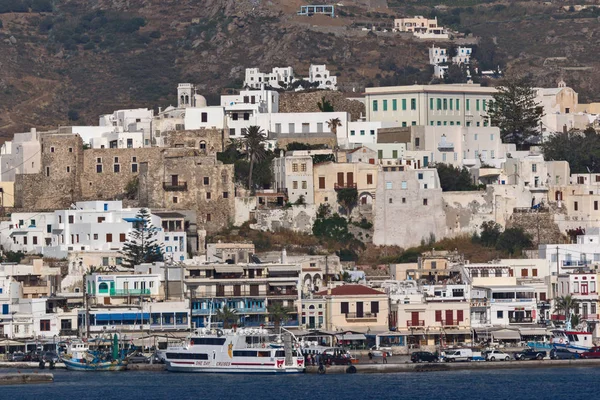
(584, 289)
(340, 179)
(174, 180)
(414, 318)
(425, 161)
(448, 318)
(350, 179)
(311, 322)
(237, 290)
(359, 309)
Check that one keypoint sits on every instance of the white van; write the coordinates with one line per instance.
(459, 355)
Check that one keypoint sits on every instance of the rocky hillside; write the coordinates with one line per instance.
(67, 61)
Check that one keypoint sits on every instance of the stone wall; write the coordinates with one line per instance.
(57, 185)
(540, 225)
(299, 218)
(186, 180)
(308, 102)
(210, 140)
(330, 141)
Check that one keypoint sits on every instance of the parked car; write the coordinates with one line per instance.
(530, 354)
(563, 354)
(138, 359)
(459, 355)
(423, 356)
(32, 356)
(594, 352)
(497, 355)
(50, 356)
(378, 351)
(336, 359)
(17, 356)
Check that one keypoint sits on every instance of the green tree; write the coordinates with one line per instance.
(565, 305)
(516, 113)
(254, 140)
(331, 226)
(454, 179)
(278, 313)
(348, 198)
(333, 124)
(490, 232)
(325, 105)
(227, 316)
(580, 150)
(131, 189)
(456, 74)
(513, 241)
(141, 245)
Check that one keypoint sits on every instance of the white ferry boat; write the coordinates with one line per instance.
(574, 341)
(241, 350)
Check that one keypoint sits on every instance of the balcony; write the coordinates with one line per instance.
(238, 310)
(420, 322)
(573, 263)
(68, 332)
(361, 317)
(178, 186)
(450, 322)
(129, 292)
(39, 289)
(348, 185)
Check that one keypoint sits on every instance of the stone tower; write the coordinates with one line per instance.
(185, 95)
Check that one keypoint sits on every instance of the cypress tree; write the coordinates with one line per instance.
(141, 245)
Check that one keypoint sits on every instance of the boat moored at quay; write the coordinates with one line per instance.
(244, 350)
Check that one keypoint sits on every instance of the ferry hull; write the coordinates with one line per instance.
(174, 367)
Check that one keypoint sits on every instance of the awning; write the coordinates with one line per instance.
(506, 334)
(351, 336)
(457, 332)
(8, 342)
(228, 269)
(534, 332)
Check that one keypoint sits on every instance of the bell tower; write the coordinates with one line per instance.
(185, 95)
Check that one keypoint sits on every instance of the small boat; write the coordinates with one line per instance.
(574, 341)
(79, 357)
(244, 350)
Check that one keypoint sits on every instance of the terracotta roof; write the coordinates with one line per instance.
(351, 290)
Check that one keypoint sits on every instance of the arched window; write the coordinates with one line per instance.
(202, 145)
(103, 288)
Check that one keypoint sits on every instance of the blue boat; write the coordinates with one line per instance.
(79, 357)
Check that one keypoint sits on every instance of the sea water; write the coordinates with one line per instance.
(547, 384)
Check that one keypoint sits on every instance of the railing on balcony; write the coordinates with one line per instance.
(175, 186)
(415, 323)
(574, 263)
(450, 322)
(238, 310)
(520, 320)
(366, 315)
(339, 186)
(68, 332)
(129, 292)
(590, 317)
(247, 293)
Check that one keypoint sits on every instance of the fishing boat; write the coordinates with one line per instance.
(572, 340)
(79, 357)
(244, 350)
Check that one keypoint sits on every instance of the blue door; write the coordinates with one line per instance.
(4, 308)
(425, 161)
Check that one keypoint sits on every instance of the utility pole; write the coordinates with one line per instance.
(557, 270)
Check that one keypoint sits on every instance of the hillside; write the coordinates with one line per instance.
(82, 59)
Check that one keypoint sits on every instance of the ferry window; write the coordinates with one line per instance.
(264, 354)
(209, 341)
(245, 353)
(187, 356)
(280, 353)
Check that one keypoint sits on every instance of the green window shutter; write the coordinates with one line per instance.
(403, 104)
(394, 104)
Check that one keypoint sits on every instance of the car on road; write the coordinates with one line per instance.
(378, 351)
(530, 354)
(336, 359)
(594, 352)
(50, 356)
(497, 355)
(458, 355)
(17, 356)
(138, 359)
(423, 356)
(563, 354)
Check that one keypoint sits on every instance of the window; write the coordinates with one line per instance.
(51, 149)
(439, 104)
(475, 136)
(476, 105)
(374, 105)
(362, 132)
(374, 307)
(533, 167)
(484, 104)
(372, 132)
(417, 142)
(500, 314)
(344, 308)
(413, 104)
(208, 217)
(384, 105)
(44, 325)
(175, 199)
(204, 117)
(390, 200)
(524, 272)
(321, 182)
(534, 272)
(457, 104)
(246, 116)
(294, 167)
(109, 237)
(98, 169)
(116, 168)
(431, 104)
(319, 127)
(404, 200)
(575, 206)
(420, 175)
(134, 168)
(231, 131)
(445, 104)
(388, 185)
(352, 133)
(225, 195)
(208, 195)
(450, 101)
(295, 185)
(304, 185)
(122, 237)
(424, 202)
(95, 236)
(595, 205)
(403, 104)
(468, 104)
(380, 154)
(394, 105)
(404, 185)
(206, 180)
(369, 179)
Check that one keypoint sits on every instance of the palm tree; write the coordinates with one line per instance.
(565, 305)
(333, 124)
(227, 316)
(254, 140)
(278, 313)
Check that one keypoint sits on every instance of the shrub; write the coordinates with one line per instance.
(155, 34)
(73, 115)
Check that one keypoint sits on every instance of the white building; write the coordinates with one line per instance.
(279, 75)
(113, 288)
(363, 132)
(321, 75)
(22, 155)
(135, 121)
(293, 173)
(90, 226)
(421, 27)
(563, 258)
(437, 57)
(506, 306)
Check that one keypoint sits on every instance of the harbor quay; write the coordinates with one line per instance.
(25, 378)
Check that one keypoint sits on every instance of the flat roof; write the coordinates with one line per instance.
(450, 88)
